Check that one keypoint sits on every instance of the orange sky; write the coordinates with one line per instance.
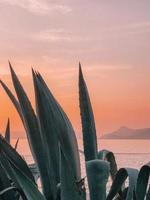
(111, 39)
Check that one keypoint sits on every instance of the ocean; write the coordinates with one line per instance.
(128, 153)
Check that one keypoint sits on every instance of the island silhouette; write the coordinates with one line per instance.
(128, 133)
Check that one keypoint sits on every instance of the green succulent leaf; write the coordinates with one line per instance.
(34, 135)
(97, 174)
(62, 126)
(148, 194)
(11, 189)
(87, 118)
(119, 180)
(16, 144)
(15, 157)
(110, 157)
(34, 169)
(69, 185)
(28, 187)
(142, 182)
(5, 183)
(49, 136)
(13, 99)
(7, 132)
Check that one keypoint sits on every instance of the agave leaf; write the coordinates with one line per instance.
(16, 144)
(87, 118)
(34, 136)
(21, 180)
(6, 166)
(35, 171)
(7, 132)
(13, 99)
(11, 189)
(110, 157)
(142, 182)
(15, 157)
(49, 136)
(63, 128)
(69, 186)
(119, 180)
(148, 194)
(97, 173)
(5, 183)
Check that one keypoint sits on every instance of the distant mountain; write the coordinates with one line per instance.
(128, 133)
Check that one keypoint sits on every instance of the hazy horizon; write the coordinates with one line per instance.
(109, 38)
(22, 134)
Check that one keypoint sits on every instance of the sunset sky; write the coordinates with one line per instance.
(110, 38)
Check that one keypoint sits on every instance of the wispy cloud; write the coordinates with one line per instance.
(58, 35)
(127, 29)
(40, 7)
(63, 35)
(52, 35)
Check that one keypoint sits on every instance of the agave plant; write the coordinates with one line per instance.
(49, 132)
(54, 147)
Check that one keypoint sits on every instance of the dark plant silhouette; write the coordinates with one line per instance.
(55, 151)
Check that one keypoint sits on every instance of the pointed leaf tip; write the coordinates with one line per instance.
(33, 73)
(87, 119)
(7, 131)
(2, 83)
(8, 121)
(9, 62)
(80, 73)
(80, 68)
(10, 65)
(16, 145)
(13, 74)
(32, 69)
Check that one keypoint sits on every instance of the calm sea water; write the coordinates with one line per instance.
(128, 153)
